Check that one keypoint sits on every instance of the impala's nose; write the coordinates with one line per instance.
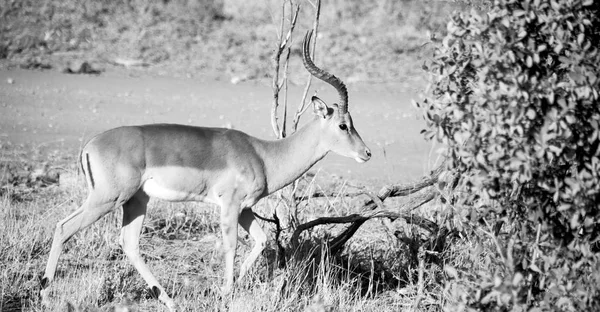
(368, 151)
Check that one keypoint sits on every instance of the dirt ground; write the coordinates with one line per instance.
(50, 111)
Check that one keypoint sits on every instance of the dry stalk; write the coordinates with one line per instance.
(420, 279)
(535, 249)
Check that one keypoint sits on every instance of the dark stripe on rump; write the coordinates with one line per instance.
(87, 157)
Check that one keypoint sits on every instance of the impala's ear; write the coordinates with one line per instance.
(320, 108)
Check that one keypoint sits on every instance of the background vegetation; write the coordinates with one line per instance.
(235, 37)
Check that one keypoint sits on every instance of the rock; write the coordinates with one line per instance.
(130, 62)
(82, 68)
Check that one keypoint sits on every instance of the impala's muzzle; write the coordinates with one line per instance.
(363, 156)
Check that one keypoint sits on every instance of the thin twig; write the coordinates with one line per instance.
(275, 85)
(285, 69)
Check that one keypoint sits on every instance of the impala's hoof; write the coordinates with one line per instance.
(155, 292)
(164, 298)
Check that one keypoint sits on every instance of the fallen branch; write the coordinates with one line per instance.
(357, 219)
(374, 208)
(337, 243)
(321, 194)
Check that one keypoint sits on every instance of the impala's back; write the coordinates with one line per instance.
(169, 161)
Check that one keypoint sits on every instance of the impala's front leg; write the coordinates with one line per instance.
(229, 224)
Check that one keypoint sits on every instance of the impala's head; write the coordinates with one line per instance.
(336, 123)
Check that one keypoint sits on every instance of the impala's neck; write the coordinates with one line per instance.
(287, 159)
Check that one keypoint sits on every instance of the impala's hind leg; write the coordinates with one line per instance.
(134, 212)
(88, 213)
(250, 224)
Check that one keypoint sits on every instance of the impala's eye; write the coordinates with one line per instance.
(343, 127)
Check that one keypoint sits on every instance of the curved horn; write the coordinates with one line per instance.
(323, 75)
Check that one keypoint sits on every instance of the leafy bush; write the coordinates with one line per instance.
(515, 101)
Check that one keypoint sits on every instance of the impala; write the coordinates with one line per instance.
(126, 166)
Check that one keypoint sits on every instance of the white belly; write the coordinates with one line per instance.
(154, 189)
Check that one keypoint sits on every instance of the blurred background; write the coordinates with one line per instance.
(373, 40)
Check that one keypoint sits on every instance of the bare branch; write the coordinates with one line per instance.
(285, 70)
(284, 44)
(303, 107)
(411, 188)
(275, 85)
(265, 218)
